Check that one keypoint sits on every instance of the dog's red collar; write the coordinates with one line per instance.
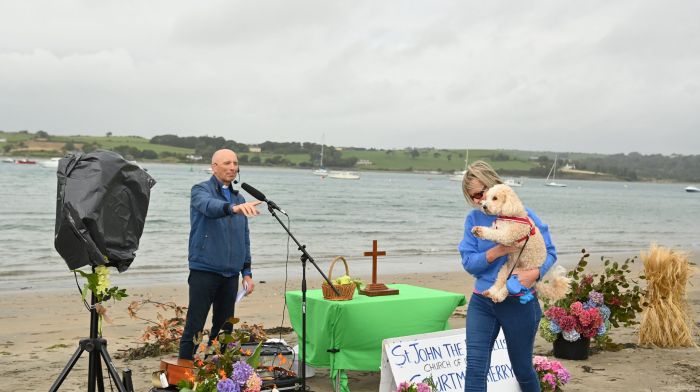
(525, 221)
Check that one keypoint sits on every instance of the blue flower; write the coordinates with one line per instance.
(605, 312)
(554, 327)
(602, 330)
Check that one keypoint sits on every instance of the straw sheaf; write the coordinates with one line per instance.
(667, 321)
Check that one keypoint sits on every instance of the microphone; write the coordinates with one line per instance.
(235, 181)
(260, 196)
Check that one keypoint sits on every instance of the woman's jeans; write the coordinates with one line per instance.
(207, 289)
(519, 323)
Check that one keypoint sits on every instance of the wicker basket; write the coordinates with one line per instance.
(346, 290)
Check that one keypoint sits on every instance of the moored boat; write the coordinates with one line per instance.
(553, 174)
(514, 182)
(344, 175)
(51, 163)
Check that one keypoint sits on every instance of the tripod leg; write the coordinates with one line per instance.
(112, 369)
(67, 369)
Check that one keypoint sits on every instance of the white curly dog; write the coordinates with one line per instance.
(514, 228)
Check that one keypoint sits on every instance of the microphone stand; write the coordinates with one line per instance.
(305, 256)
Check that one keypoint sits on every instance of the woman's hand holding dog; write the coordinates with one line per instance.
(500, 250)
(527, 278)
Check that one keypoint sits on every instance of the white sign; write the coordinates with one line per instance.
(442, 355)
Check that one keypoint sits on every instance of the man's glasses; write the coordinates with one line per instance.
(479, 195)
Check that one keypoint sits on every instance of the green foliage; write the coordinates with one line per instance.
(98, 283)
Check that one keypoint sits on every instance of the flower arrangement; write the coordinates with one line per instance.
(586, 319)
(595, 304)
(552, 374)
(220, 367)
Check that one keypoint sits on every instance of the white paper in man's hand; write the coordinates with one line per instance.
(242, 292)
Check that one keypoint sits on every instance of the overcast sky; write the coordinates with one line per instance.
(589, 76)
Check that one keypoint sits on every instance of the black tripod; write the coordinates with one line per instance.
(305, 256)
(97, 347)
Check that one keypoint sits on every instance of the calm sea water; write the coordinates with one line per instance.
(417, 219)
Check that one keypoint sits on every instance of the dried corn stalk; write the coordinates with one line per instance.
(667, 321)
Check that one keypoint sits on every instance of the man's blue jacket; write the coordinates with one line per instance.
(219, 239)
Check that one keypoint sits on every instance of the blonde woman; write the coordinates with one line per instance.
(483, 259)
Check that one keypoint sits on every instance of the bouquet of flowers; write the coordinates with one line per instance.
(587, 319)
(595, 304)
(414, 387)
(219, 367)
(552, 374)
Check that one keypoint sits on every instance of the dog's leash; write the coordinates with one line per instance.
(518, 259)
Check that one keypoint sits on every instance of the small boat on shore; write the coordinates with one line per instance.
(692, 189)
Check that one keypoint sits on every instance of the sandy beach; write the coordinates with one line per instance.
(39, 332)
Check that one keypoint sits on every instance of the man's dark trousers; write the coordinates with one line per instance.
(207, 289)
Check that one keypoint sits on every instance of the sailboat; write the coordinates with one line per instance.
(321, 171)
(458, 175)
(553, 173)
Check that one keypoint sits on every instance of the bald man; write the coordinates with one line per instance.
(219, 250)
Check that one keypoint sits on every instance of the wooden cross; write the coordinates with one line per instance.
(376, 289)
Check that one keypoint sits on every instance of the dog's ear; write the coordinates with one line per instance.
(512, 206)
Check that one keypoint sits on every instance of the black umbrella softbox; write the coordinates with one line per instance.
(101, 207)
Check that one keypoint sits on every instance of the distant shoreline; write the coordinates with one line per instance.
(564, 175)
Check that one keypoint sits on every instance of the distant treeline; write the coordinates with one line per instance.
(205, 146)
(635, 166)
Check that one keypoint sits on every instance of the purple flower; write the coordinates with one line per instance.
(596, 297)
(227, 385)
(241, 372)
(563, 375)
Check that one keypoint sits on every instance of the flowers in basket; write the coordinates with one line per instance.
(587, 319)
(552, 374)
(222, 366)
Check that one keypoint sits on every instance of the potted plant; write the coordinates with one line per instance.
(573, 327)
(597, 302)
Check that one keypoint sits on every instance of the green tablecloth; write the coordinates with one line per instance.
(357, 327)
